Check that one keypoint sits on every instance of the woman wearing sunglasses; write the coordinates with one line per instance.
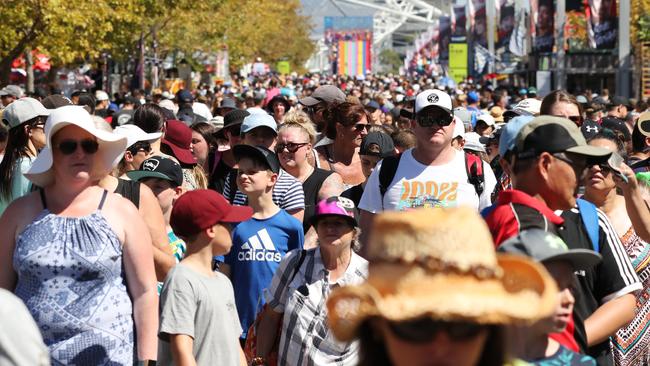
(79, 257)
(625, 206)
(347, 124)
(295, 139)
(25, 119)
(437, 293)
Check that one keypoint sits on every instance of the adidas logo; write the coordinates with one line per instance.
(259, 247)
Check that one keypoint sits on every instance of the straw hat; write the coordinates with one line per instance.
(111, 145)
(441, 263)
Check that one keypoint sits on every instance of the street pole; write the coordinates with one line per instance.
(491, 20)
(154, 67)
(623, 70)
(141, 63)
(560, 73)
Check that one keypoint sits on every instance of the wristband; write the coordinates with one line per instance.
(146, 363)
(258, 361)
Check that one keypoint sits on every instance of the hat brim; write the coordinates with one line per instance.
(580, 259)
(183, 155)
(430, 107)
(138, 175)
(111, 147)
(314, 219)
(595, 154)
(238, 214)
(399, 292)
(309, 101)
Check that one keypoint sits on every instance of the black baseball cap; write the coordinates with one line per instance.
(553, 135)
(234, 117)
(258, 153)
(547, 247)
(158, 167)
(377, 144)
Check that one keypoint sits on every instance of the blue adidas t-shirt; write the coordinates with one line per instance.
(258, 246)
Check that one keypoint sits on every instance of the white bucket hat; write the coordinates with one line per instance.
(135, 134)
(111, 145)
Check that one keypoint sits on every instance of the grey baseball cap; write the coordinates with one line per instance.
(13, 90)
(546, 247)
(325, 93)
(256, 120)
(22, 110)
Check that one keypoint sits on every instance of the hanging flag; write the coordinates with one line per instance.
(544, 27)
(603, 24)
(478, 22)
(518, 44)
(444, 38)
(458, 21)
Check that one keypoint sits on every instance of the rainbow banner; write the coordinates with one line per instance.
(353, 58)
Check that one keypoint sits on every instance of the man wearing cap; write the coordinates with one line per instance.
(548, 161)
(639, 158)
(319, 100)
(473, 106)
(231, 131)
(101, 103)
(26, 120)
(374, 110)
(526, 107)
(617, 107)
(9, 94)
(125, 115)
(260, 129)
(431, 174)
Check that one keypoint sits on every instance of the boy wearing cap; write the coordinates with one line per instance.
(533, 343)
(165, 179)
(261, 130)
(198, 319)
(259, 244)
(374, 147)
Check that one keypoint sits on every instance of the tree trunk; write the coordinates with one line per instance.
(29, 69)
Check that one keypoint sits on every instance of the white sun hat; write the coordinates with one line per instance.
(135, 134)
(111, 145)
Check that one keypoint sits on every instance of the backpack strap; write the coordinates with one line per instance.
(590, 221)
(386, 174)
(301, 258)
(475, 175)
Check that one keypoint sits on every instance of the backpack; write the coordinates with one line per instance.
(473, 167)
(590, 221)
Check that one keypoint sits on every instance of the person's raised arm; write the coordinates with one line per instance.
(141, 280)
(365, 223)
(152, 214)
(636, 206)
(181, 346)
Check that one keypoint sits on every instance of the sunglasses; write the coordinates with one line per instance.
(578, 163)
(440, 119)
(575, 119)
(291, 147)
(424, 330)
(361, 126)
(68, 147)
(235, 130)
(140, 146)
(604, 168)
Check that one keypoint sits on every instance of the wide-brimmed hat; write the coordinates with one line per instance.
(425, 263)
(111, 146)
(278, 99)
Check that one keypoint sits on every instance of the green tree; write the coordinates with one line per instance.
(390, 60)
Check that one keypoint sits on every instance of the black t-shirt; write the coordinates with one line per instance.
(217, 179)
(610, 279)
(129, 189)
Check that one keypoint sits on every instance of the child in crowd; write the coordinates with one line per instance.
(260, 243)
(198, 321)
(165, 178)
(533, 343)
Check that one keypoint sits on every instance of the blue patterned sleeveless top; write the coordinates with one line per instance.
(71, 278)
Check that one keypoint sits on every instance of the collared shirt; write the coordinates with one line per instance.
(306, 338)
(517, 211)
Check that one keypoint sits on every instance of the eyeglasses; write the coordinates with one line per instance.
(68, 147)
(315, 109)
(361, 126)
(441, 119)
(577, 162)
(290, 146)
(604, 168)
(144, 146)
(425, 329)
(575, 119)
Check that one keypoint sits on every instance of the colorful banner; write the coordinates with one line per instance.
(576, 36)
(478, 20)
(459, 21)
(443, 39)
(603, 24)
(349, 40)
(458, 61)
(506, 25)
(543, 19)
(518, 44)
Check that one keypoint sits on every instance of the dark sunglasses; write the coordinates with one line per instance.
(440, 119)
(140, 146)
(604, 168)
(291, 147)
(361, 126)
(575, 119)
(578, 163)
(68, 147)
(424, 330)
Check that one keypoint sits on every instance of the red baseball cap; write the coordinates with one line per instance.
(202, 208)
(178, 137)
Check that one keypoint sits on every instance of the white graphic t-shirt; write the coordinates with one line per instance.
(418, 185)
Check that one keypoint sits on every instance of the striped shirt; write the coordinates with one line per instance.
(306, 340)
(287, 192)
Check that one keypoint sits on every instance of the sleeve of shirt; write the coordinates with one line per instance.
(296, 236)
(178, 305)
(615, 275)
(371, 200)
(226, 186)
(490, 183)
(276, 294)
(294, 197)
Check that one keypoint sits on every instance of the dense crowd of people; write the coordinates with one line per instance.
(317, 220)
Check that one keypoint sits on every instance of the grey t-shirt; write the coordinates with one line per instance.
(204, 308)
